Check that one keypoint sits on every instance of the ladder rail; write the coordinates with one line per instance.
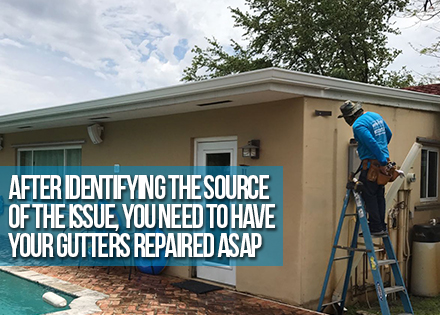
(398, 276)
(378, 283)
(382, 292)
(349, 264)
(333, 252)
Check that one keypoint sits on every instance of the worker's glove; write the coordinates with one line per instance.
(400, 172)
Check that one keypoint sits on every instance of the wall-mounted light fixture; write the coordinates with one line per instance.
(95, 133)
(252, 149)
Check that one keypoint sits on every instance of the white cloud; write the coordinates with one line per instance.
(129, 45)
(56, 52)
(10, 42)
(414, 36)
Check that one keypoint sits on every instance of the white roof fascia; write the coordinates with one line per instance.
(271, 79)
(339, 89)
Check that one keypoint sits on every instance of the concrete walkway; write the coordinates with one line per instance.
(154, 295)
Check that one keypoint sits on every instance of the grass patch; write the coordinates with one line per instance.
(421, 306)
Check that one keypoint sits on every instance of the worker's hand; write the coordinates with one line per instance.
(383, 170)
(401, 173)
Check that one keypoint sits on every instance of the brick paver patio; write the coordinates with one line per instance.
(154, 295)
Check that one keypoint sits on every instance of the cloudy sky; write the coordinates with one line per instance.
(58, 52)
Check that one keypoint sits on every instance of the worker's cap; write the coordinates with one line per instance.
(349, 109)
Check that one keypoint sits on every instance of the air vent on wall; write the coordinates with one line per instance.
(215, 103)
(99, 118)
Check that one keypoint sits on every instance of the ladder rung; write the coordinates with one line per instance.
(352, 249)
(331, 303)
(374, 245)
(350, 214)
(390, 290)
(374, 236)
(341, 258)
(386, 262)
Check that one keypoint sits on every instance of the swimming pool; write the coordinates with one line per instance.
(22, 297)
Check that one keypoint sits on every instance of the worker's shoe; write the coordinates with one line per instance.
(380, 233)
(376, 234)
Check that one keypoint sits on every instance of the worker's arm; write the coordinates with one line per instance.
(363, 135)
(388, 132)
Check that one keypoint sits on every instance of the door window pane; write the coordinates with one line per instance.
(26, 158)
(73, 157)
(50, 157)
(217, 164)
(218, 159)
(35, 161)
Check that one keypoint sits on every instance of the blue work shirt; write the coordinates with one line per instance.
(373, 135)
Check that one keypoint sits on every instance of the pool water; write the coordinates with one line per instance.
(22, 297)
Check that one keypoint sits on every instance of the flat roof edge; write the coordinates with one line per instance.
(313, 86)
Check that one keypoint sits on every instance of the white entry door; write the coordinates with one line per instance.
(221, 154)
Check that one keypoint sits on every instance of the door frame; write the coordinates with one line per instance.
(197, 142)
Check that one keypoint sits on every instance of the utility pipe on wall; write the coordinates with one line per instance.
(401, 228)
(407, 251)
(406, 165)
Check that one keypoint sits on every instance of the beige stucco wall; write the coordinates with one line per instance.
(313, 151)
(168, 140)
(325, 176)
(407, 125)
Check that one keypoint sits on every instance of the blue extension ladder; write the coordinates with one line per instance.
(353, 188)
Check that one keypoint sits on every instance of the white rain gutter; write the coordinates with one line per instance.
(272, 79)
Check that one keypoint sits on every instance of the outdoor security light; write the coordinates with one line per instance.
(95, 133)
(252, 149)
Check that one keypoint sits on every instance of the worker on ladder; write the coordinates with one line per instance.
(373, 136)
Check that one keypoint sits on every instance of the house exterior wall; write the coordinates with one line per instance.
(169, 140)
(325, 172)
(325, 175)
(312, 149)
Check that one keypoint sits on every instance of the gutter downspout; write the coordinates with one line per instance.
(406, 165)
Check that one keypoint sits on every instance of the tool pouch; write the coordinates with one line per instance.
(375, 175)
(383, 179)
(393, 174)
(373, 171)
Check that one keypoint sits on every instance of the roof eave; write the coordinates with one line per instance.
(280, 80)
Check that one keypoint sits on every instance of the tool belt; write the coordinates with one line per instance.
(374, 173)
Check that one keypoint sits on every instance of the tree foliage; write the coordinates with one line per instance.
(218, 62)
(428, 14)
(339, 38)
(424, 10)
